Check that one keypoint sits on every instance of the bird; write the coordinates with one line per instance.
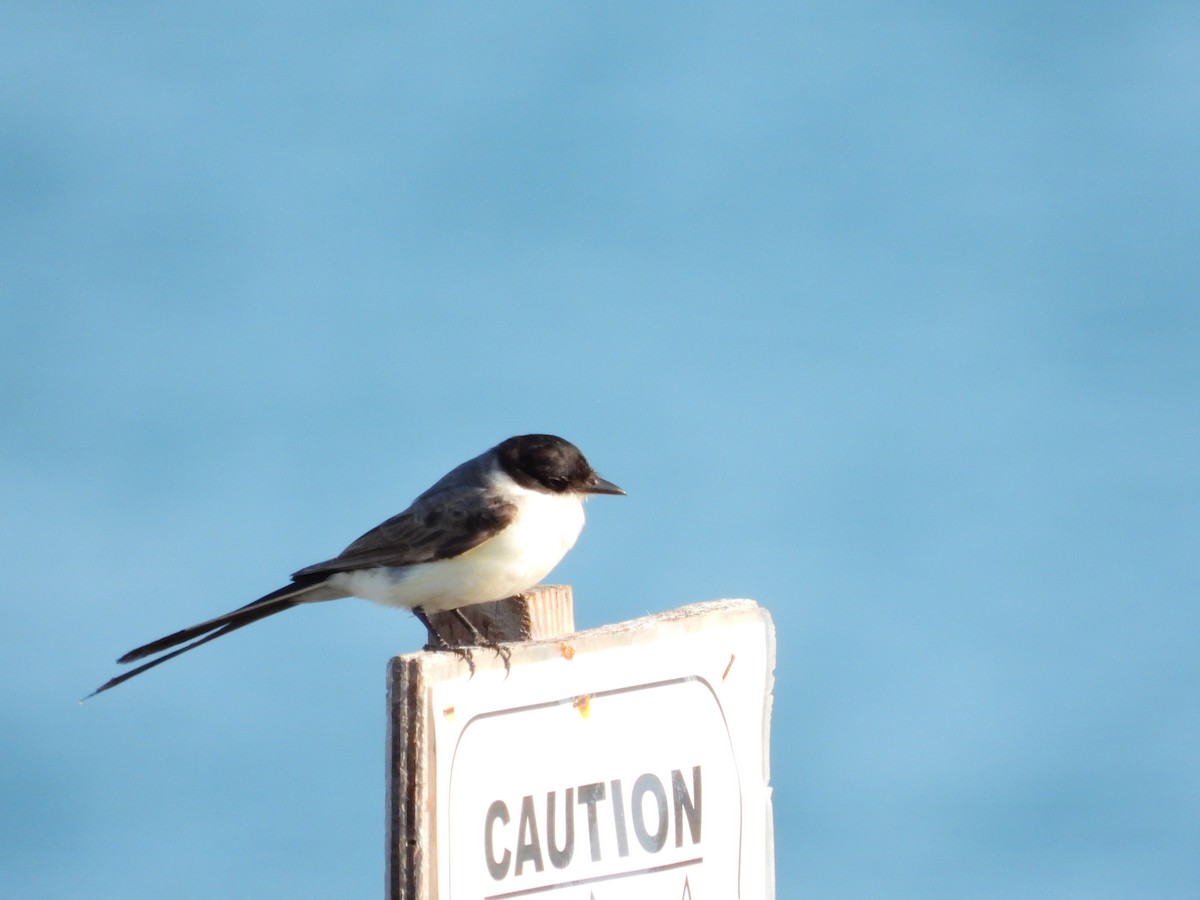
(489, 529)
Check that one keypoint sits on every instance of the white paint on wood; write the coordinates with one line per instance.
(667, 717)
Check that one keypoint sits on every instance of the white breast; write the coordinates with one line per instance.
(545, 528)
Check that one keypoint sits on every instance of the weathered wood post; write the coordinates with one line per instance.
(630, 758)
(545, 612)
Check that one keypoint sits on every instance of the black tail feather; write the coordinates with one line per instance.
(273, 600)
(232, 622)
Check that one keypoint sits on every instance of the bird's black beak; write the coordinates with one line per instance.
(597, 485)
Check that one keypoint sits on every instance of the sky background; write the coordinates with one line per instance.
(885, 316)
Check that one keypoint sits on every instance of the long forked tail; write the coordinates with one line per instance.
(269, 605)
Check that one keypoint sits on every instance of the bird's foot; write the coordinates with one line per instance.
(503, 652)
(479, 639)
(437, 642)
(463, 653)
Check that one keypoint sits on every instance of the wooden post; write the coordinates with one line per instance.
(544, 612)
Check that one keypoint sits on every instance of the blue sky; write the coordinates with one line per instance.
(884, 315)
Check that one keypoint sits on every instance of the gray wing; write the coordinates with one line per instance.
(439, 525)
(450, 518)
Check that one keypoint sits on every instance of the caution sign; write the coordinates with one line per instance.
(627, 762)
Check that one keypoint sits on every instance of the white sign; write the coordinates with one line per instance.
(627, 762)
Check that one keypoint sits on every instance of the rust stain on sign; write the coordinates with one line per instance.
(725, 674)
